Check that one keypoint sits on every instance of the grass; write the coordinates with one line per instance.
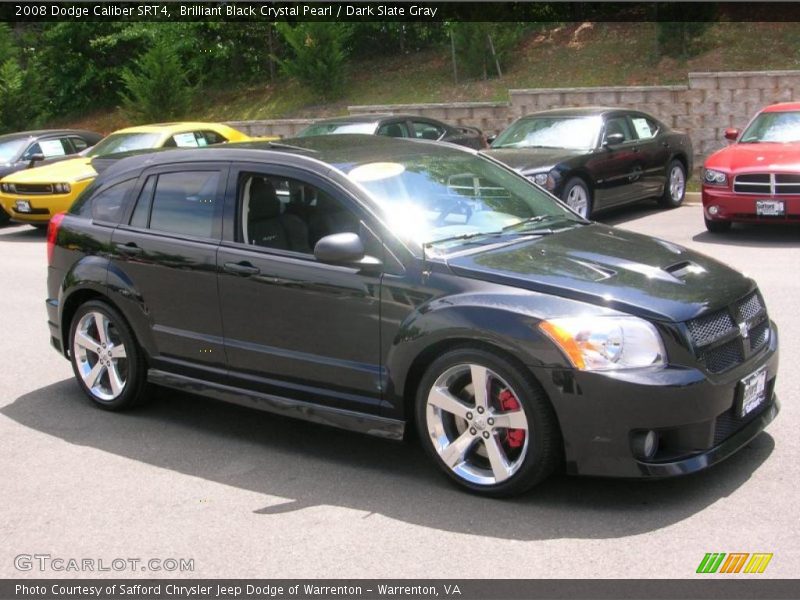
(565, 55)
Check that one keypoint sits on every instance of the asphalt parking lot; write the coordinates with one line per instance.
(247, 494)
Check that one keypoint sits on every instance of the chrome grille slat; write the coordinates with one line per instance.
(773, 184)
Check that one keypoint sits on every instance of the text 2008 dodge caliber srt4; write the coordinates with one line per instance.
(380, 285)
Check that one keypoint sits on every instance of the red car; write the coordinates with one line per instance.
(757, 179)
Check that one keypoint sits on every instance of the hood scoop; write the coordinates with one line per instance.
(686, 267)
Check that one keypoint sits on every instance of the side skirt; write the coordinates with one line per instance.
(335, 417)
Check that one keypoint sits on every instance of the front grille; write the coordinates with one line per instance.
(728, 423)
(725, 338)
(772, 184)
(34, 188)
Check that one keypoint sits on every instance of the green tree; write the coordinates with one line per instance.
(157, 88)
(318, 55)
(481, 47)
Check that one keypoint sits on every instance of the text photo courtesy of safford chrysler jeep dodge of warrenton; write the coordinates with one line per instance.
(383, 285)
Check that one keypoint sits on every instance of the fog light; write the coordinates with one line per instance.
(713, 210)
(645, 444)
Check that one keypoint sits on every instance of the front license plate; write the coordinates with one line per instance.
(770, 208)
(22, 206)
(754, 394)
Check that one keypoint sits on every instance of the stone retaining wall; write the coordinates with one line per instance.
(704, 108)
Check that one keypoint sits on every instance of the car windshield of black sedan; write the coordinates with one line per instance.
(329, 128)
(124, 142)
(10, 149)
(574, 133)
(773, 127)
(455, 197)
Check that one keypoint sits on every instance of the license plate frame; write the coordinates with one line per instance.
(770, 208)
(753, 392)
(22, 206)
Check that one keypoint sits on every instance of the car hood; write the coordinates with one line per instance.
(764, 156)
(525, 160)
(610, 267)
(64, 171)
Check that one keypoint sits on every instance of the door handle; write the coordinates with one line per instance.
(241, 268)
(129, 249)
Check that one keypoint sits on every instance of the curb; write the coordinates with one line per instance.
(692, 198)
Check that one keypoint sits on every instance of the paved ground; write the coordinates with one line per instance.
(250, 495)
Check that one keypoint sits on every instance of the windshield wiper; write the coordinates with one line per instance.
(522, 225)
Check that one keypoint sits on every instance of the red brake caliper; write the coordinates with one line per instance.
(508, 402)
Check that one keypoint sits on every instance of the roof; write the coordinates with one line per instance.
(37, 133)
(782, 107)
(581, 111)
(342, 151)
(166, 128)
(368, 118)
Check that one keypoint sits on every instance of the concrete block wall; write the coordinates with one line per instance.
(704, 108)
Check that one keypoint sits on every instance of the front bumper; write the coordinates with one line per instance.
(693, 413)
(742, 207)
(43, 206)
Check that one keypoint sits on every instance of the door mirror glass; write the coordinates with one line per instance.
(731, 134)
(613, 139)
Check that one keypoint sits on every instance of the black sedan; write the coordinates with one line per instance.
(383, 285)
(399, 126)
(28, 149)
(598, 158)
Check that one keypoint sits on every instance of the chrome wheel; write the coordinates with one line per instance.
(578, 200)
(100, 356)
(677, 184)
(477, 425)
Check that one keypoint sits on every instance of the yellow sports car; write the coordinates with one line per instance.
(34, 195)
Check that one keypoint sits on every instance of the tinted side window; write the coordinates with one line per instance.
(49, 148)
(79, 144)
(212, 137)
(185, 203)
(394, 130)
(645, 128)
(106, 205)
(619, 125)
(141, 214)
(427, 131)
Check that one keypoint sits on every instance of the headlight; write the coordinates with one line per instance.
(538, 178)
(606, 343)
(714, 177)
(61, 188)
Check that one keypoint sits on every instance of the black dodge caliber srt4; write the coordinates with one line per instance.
(375, 284)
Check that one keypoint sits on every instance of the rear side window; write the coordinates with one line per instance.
(212, 137)
(106, 205)
(427, 131)
(79, 144)
(184, 203)
(394, 130)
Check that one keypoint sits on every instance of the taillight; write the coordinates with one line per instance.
(52, 234)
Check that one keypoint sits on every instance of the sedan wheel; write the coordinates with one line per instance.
(577, 197)
(482, 424)
(105, 357)
(675, 188)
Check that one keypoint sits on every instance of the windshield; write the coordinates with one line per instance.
(447, 198)
(773, 127)
(573, 133)
(10, 149)
(328, 128)
(124, 142)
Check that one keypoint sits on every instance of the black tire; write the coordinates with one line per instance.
(577, 186)
(534, 459)
(132, 369)
(673, 195)
(717, 226)
(4, 217)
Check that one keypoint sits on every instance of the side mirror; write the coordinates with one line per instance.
(34, 158)
(613, 139)
(344, 249)
(490, 139)
(731, 134)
